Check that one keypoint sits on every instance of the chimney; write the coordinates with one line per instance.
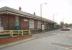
(19, 8)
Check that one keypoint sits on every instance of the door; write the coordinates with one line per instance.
(24, 24)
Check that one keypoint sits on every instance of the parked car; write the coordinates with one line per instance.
(65, 29)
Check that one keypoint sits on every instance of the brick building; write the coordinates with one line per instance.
(12, 19)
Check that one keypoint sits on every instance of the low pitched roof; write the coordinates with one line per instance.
(8, 10)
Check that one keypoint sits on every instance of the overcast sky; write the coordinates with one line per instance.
(57, 10)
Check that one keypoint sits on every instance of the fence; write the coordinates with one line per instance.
(12, 33)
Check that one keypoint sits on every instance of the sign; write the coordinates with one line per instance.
(43, 27)
(25, 20)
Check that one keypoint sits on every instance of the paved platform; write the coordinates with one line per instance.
(54, 40)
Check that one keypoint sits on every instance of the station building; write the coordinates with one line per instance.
(12, 19)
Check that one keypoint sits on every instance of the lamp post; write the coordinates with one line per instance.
(41, 6)
(41, 10)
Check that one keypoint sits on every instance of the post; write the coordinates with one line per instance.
(41, 10)
(29, 32)
(22, 32)
(41, 13)
(11, 33)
